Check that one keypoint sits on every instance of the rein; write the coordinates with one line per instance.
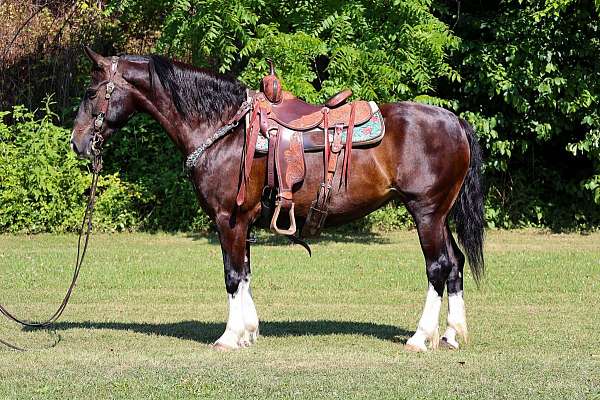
(81, 251)
(82, 245)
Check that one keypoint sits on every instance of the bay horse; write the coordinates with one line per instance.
(429, 159)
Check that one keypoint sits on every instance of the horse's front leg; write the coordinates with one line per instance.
(242, 323)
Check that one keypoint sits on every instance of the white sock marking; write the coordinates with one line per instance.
(242, 323)
(428, 324)
(249, 315)
(457, 321)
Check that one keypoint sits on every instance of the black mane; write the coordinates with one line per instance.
(197, 92)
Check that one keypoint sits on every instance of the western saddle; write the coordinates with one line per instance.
(292, 127)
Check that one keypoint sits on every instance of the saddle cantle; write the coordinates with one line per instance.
(286, 127)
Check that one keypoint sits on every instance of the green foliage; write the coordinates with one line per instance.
(524, 74)
(46, 56)
(319, 47)
(40, 183)
(392, 217)
(533, 96)
(43, 185)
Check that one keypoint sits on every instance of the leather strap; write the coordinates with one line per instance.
(325, 112)
(81, 251)
(336, 148)
(251, 137)
(318, 210)
(273, 132)
(348, 152)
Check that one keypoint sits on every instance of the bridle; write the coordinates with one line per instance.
(96, 160)
(97, 138)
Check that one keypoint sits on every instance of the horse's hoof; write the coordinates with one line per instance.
(249, 338)
(464, 334)
(445, 344)
(254, 336)
(460, 327)
(414, 349)
(222, 347)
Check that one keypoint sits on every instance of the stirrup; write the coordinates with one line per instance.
(292, 229)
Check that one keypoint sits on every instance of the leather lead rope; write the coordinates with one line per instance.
(97, 141)
(81, 251)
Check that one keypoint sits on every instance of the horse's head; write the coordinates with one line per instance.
(106, 106)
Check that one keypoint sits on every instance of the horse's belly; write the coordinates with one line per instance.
(368, 187)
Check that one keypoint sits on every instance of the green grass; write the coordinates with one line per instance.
(147, 307)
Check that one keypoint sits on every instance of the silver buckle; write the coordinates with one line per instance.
(110, 87)
(115, 61)
(99, 121)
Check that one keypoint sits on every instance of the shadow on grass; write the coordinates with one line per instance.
(208, 332)
(265, 238)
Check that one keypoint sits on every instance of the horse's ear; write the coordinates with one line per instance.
(96, 58)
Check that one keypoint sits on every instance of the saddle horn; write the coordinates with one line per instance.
(271, 66)
(271, 86)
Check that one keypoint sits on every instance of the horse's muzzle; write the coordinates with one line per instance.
(84, 151)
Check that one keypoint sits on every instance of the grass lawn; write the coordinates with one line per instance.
(147, 308)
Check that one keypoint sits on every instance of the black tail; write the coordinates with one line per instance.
(468, 210)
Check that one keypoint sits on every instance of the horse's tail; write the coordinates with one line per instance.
(468, 210)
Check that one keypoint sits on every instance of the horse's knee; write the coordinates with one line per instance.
(438, 272)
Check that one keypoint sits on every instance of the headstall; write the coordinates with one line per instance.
(97, 139)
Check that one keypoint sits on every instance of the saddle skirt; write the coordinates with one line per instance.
(369, 132)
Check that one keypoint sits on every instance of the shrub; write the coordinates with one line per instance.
(43, 185)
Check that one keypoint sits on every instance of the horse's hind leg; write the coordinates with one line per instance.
(435, 244)
(457, 321)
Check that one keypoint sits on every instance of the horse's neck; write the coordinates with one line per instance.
(186, 134)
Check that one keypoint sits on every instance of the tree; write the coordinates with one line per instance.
(532, 90)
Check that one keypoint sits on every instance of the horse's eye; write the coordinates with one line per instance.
(91, 94)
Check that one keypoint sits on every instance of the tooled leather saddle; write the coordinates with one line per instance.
(292, 127)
